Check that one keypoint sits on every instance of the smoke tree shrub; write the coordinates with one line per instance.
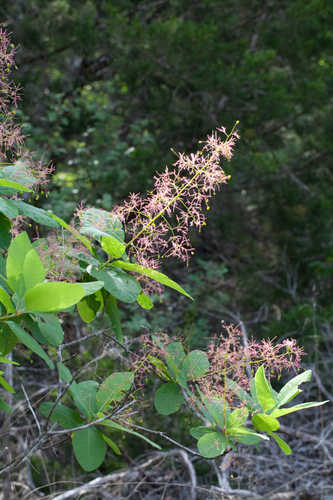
(111, 257)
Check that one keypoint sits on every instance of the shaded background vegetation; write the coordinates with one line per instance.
(111, 86)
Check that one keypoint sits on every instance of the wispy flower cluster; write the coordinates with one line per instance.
(232, 359)
(60, 254)
(157, 226)
(11, 138)
(229, 360)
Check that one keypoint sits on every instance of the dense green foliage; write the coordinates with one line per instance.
(111, 86)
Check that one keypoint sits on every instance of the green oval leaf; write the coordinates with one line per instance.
(6, 301)
(53, 296)
(97, 223)
(113, 247)
(17, 251)
(18, 172)
(195, 365)
(61, 414)
(33, 269)
(7, 208)
(14, 185)
(168, 398)
(151, 273)
(218, 409)
(291, 387)
(5, 225)
(282, 444)
(64, 373)
(201, 430)
(87, 314)
(118, 283)
(30, 342)
(89, 448)
(89, 306)
(91, 287)
(245, 436)
(114, 388)
(111, 309)
(36, 214)
(51, 329)
(265, 423)
(238, 417)
(84, 395)
(7, 340)
(263, 390)
(212, 444)
(145, 301)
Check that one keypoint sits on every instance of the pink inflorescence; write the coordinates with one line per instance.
(11, 137)
(232, 358)
(157, 226)
(229, 359)
(10, 133)
(60, 254)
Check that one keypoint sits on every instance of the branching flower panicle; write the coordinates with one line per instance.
(11, 138)
(158, 225)
(229, 360)
(12, 148)
(60, 254)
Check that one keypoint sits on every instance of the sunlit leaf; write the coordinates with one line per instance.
(265, 423)
(263, 390)
(6, 301)
(33, 269)
(145, 301)
(53, 296)
(18, 249)
(151, 273)
(292, 386)
(282, 444)
(212, 444)
(15, 186)
(303, 406)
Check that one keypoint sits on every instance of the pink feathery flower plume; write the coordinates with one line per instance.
(11, 138)
(158, 225)
(229, 361)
